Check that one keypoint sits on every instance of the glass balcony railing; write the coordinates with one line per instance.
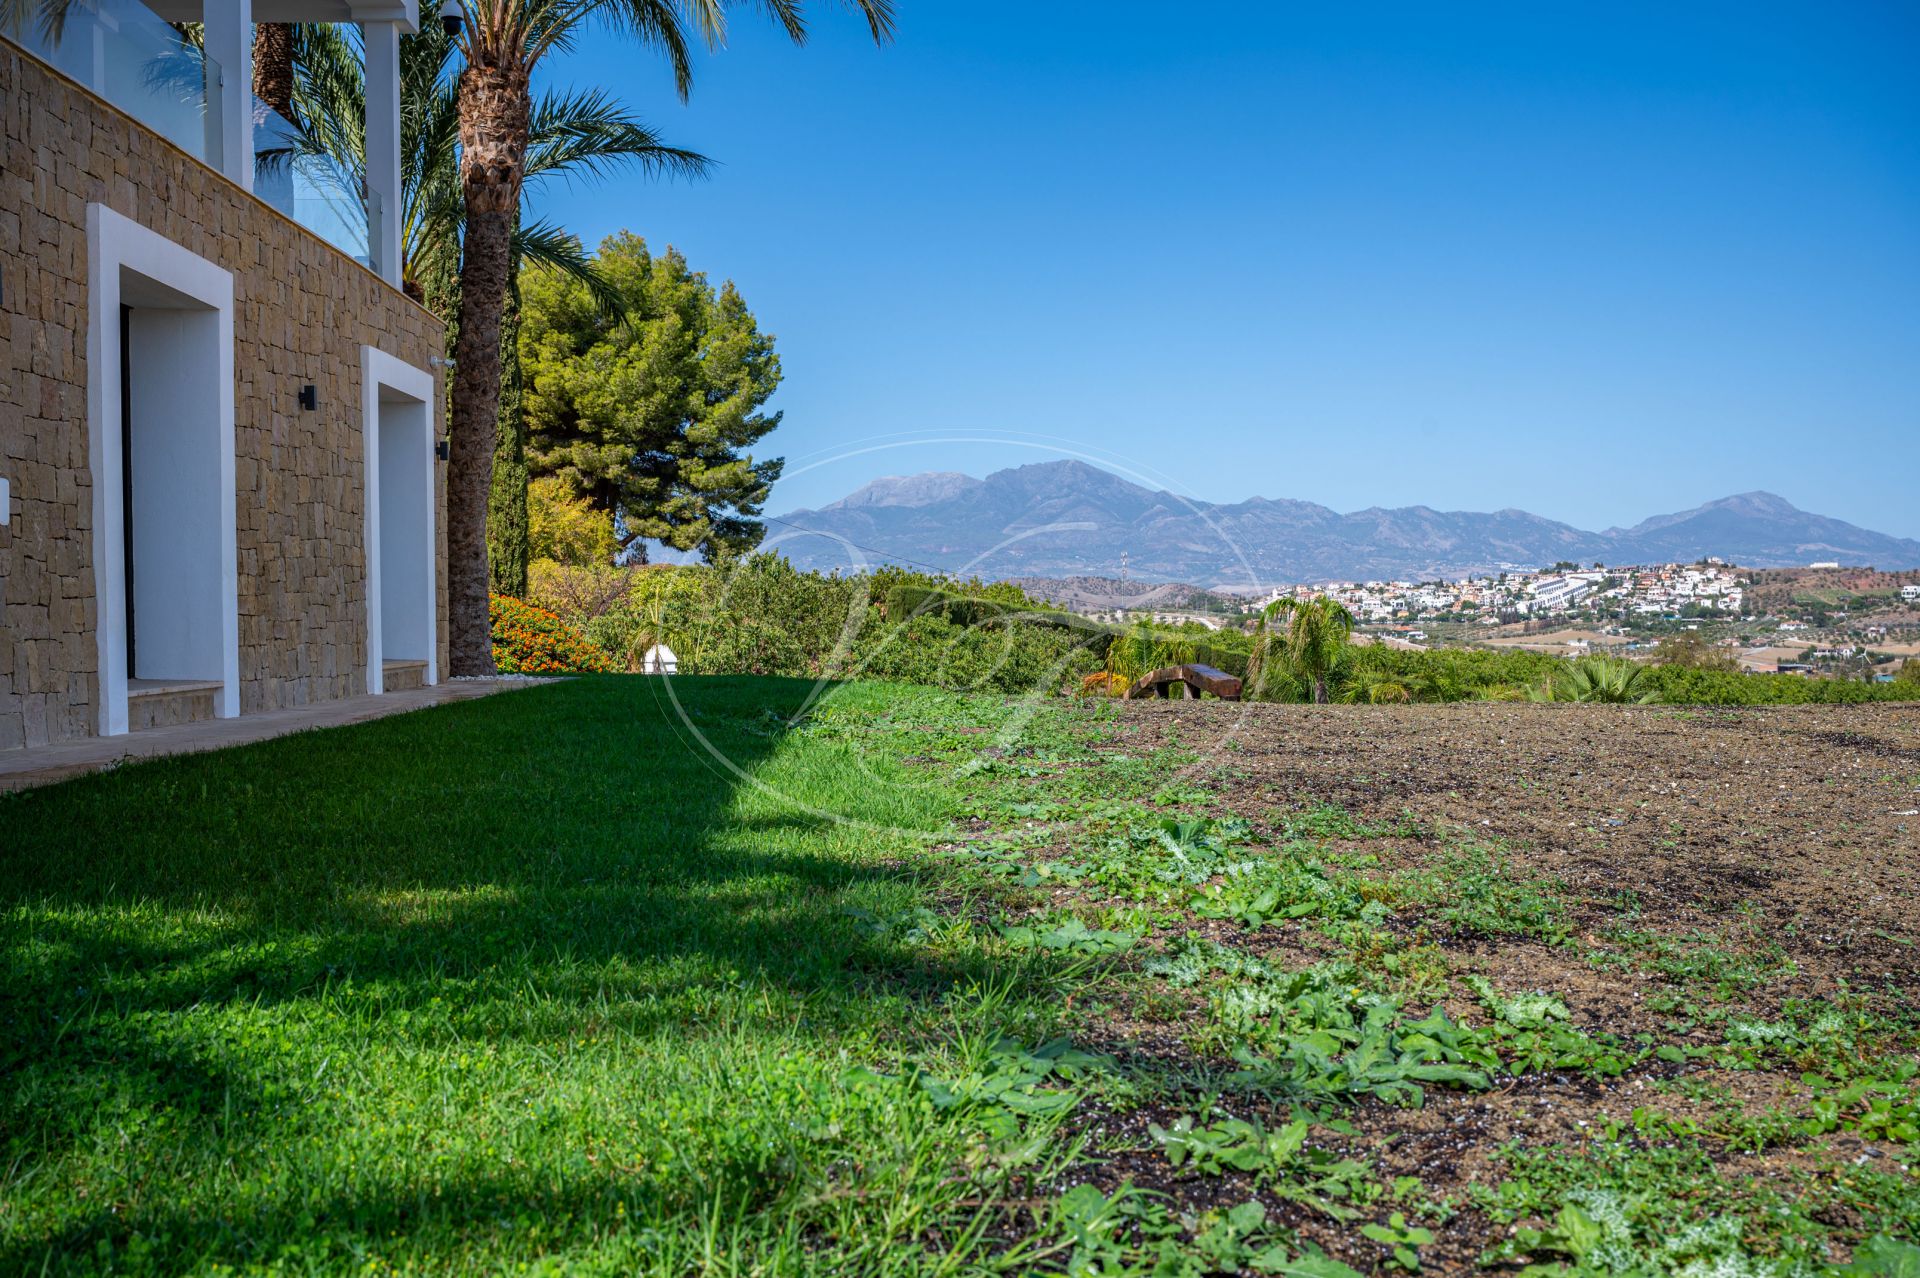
(310, 186)
(127, 54)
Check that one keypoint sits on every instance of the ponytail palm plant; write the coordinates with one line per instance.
(503, 42)
(1312, 646)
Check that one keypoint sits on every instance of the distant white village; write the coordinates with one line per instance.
(1659, 590)
(1708, 588)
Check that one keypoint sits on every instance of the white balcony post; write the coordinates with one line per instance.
(382, 41)
(229, 36)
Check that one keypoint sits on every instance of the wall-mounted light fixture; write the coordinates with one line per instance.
(309, 398)
(441, 450)
(450, 14)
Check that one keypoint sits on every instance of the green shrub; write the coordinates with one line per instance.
(1458, 674)
(905, 601)
(1682, 686)
(1223, 650)
(763, 616)
(759, 616)
(888, 576)
(1011, 655)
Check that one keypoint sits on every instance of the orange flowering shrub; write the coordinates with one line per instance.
(530, 640)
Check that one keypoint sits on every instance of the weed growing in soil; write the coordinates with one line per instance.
(1380, 902)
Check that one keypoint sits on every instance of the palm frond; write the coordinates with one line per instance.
(53, 15)
(542, 244)
(584, 133)
(710, 16)
(880, 18)
(329, 90)
(789, 15)
(539, 27)
(589, 132)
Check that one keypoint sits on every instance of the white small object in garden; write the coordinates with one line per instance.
(659, 660)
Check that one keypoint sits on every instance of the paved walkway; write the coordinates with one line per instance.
(43, 765)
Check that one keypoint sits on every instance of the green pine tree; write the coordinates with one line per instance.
(650, 414)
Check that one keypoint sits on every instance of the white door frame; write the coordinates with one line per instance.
(118, 245)
(380, 370)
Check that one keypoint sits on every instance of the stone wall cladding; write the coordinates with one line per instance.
(302, 312)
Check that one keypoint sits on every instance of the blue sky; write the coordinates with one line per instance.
(1598, 262)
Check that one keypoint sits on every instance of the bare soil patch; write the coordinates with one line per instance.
(1715, 864)
(1802, 817)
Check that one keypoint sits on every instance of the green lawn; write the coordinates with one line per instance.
(533, 979)
(588, 979)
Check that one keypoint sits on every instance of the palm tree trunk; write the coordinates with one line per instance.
(273, 65)
(495, 106)
(1319, 690)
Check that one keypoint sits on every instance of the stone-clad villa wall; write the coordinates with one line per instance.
(302, 313)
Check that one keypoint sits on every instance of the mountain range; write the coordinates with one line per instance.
(1063, 518)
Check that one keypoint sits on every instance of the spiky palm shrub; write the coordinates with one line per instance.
(1175, 650)
(1376, 688)
(1607, 680)
(1129, 656)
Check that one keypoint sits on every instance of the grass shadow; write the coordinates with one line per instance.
(267, 956)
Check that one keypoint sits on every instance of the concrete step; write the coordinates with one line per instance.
(164, 703)
(404, 676)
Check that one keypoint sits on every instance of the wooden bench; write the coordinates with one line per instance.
(1192, 680)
